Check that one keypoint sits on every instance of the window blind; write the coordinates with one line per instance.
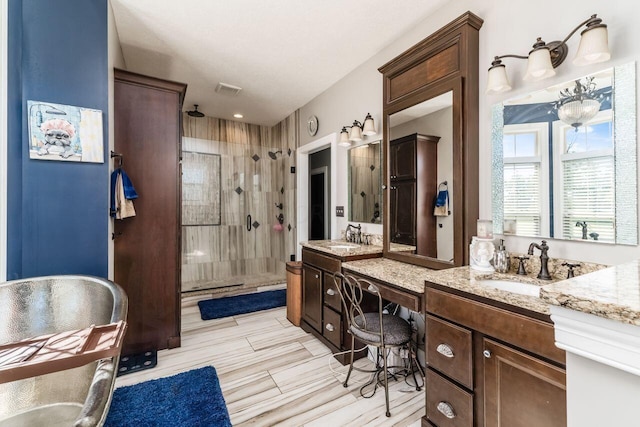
(522, 197)
(588, 195)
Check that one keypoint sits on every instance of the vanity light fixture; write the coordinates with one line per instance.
(544, 57)
(357, 131)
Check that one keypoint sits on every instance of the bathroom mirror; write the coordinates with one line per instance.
(365, 183)
(423, 133)
(561, 171)
(435, 82)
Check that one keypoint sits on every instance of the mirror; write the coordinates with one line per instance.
(436, 82)
(365, 183)
(556, 175)
(421, 170)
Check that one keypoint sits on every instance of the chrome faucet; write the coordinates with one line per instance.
(544, 259)
(353, 237)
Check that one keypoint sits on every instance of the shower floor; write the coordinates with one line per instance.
(232, 284)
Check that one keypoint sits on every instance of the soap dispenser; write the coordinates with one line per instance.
(501, 260)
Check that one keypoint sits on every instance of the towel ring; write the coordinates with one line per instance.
(119, 156)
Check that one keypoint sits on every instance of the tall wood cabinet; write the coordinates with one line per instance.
(413, 172)
(147, 246)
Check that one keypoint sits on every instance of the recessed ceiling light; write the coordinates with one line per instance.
(238, 116)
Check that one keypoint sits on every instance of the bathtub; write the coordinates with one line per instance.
(46, 305)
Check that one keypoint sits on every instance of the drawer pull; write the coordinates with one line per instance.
(329, 327)
(331, 292)
(445, 350)
(317, 276)
(487, 354)
(446, 409)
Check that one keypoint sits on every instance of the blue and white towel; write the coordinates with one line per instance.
(122, 195)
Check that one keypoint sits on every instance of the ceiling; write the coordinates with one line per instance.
(281, 53)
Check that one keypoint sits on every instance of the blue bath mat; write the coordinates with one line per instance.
(189, 399)
(241, 304)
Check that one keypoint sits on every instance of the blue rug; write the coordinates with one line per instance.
(241, 304)
(189, 399)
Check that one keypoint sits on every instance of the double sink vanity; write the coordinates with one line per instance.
(494, 356)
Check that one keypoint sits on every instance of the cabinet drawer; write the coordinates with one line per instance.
(332, 326)
(447, 404)
(321, 261)
(448, 349)
(331, 295)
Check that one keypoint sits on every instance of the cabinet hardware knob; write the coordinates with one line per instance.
(487, 354)
(331, 292)
(329, 327)
(384, 187)
(445, 350)
(317, 276)
(446, 409)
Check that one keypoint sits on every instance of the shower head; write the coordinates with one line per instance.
(273, 154)
(195, 113)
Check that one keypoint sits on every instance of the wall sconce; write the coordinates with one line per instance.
(544, 57)
(357, 131)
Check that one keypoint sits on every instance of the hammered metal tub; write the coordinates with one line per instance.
(46, 305)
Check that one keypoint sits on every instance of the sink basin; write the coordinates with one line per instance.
(515, 287)
(346, 247)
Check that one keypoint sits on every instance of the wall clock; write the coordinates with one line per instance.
(312, 125)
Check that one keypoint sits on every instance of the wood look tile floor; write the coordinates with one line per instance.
(272, 373)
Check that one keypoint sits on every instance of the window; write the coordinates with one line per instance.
(525, 147)
(585, 191)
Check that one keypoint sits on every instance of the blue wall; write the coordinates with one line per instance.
(57, 211)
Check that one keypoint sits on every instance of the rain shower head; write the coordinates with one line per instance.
(195, 113)
(273, 154)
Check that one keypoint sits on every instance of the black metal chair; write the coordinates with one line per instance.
(384, 331)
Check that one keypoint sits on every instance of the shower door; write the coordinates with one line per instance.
(245, 247)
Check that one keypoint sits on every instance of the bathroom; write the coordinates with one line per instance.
(33, 244)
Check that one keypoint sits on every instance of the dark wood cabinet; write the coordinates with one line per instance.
(322, 313)
(504, 361)
(413, 183)
(147, 125)
(521, 390)
(312, 283)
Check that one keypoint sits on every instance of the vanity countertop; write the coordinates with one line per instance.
(612, 293)
(413, 277)
(344, 248)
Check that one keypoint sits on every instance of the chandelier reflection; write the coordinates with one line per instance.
(578, 105)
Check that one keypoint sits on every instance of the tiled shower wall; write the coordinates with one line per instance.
(251, 183)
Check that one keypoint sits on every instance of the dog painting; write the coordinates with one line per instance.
(64, 132)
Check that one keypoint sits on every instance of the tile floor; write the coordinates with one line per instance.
(273, 373)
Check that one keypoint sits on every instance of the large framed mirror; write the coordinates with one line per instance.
(430, 128)
(365, 183)
(565, 160)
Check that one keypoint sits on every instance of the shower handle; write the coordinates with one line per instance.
(248, 222)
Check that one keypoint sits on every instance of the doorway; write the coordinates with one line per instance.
(319, 204)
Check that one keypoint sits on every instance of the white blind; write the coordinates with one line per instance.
(588, 195)
(522, 197)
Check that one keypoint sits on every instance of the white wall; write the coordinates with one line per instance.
(510, 26)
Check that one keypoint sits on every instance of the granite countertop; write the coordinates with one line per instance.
(612, 293)
(344, 248)
(412, 278)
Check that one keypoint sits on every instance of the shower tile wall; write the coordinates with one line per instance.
(251, 183)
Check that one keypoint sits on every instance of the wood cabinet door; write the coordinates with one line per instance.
(403, 212)
(403, 160)
(312, 297)
(521, 390)
(147, 246)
